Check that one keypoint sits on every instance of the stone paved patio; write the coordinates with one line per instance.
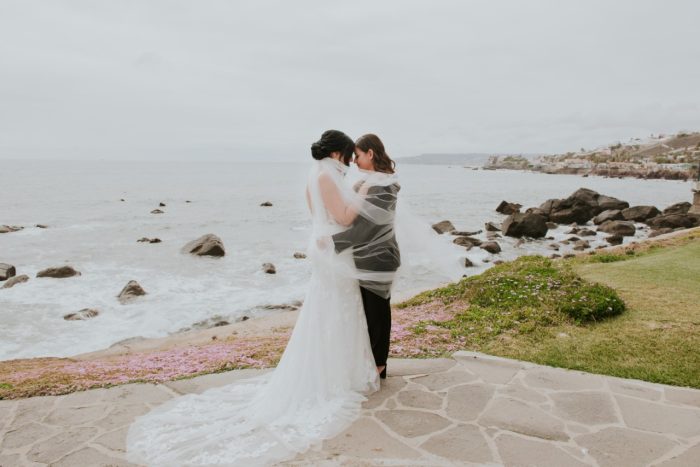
(468, 410)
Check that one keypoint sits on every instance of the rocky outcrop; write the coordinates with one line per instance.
(130, 291)
(58, 272)
(443, 227)
(678, 208)
(674, 221)
(608, 203)
(269, 268)
(661, 231)
(85, 313)
(609, 215)
(640, 213)
(7, 271)
(622, 228)
(508, 208)
(206, 245)
(580, 207)
(12, 281)
(525, 225)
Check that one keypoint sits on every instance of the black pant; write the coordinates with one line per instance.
(378, 312)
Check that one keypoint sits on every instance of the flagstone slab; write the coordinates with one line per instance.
(466, 402)
(591, 408)
(514, 415)
(635, 389)
(439, 381)
(91, 457)
(70, 416)
(461, 443)
(659, 418)
(420, 399)
(201, 383)
(52, 449)
(620, 447)
(114, 440)
(390, 387)
(366, 439)
(418, 366)
(515, 390)
(519, 451)
(688, 458)
(122, 415)
(33, 409)
(412, 423)
(562, 380)
(489, 369)
(683, 396)
(26, 435)
(10, 460)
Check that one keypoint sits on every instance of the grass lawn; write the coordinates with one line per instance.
(656, 338)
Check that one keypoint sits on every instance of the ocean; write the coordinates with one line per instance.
(90, 228)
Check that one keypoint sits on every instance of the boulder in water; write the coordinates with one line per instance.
(7, 271)
(206, 245)
(12, 281)
(640, 213)
(10, 228)
(609, 215)
(58, 272)
(299, 255)
(491, 227)
(266, 204)
(678, 208)
(525, 225)
(508, 208)
(491, 247)
(623, 228)
(130, 291)
(157, 211)
(85, 313)
(269, 268)
(443, 227)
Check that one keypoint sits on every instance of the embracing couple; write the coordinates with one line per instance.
(338, 349)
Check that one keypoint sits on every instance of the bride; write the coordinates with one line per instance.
(327, 369)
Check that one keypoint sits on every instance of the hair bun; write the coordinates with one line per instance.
(318, 150)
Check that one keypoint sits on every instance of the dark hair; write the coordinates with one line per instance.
(381, 160)
(331, 141)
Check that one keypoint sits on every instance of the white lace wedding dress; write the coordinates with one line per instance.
(315, 392)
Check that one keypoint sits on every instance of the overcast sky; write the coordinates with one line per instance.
(262, 79)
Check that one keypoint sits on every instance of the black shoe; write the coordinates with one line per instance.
(382, 375)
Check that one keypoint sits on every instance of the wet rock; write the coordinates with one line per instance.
(661, 231)
(552, 225)
(525, 225)
(491, 247)
(609, 215)
(553, 246)
(206, 245)
(42, 226)
(298, 255)
(59, 272)
(269, 268)
(266, 204)
(678, 208)
(467, 241)
(508, 208)
(443, 227)
(581, 245)
(10, 228)
(85, 313)
(607, 203)
(498, 261)
(130, 291)
(574, 231)
(640, 213)
(674, 221)
(464, 233)
(157, 211)
(536, 211)
(491, 227)
(468, 263)
(614, 239)
(291, 306)
(587, 233)
(573, 239)
(492, 235)
(161, 204)
(12, 281)
(623, 228)
(7, 271)
(554, 256)
(149, 240)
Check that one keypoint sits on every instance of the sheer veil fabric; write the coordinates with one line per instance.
(327, 369)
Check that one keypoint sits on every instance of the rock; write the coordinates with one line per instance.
(12, 281)
(530, 225)
(492, 235)
(573, 239)
(548, 206)
(157, 211)
(161, 204)
(443, 227)
(299, 255)
(42, 226)
(614, 239)
(640, 213)
(498, 261)
(624, 228)
(553, 246)
(149, 240)
(266, 204)
(581, 245)
(491, 247)
(573, 231)
(59, 272)
(569, 255)
(674, 221)
(608, 203)
(552, 225)
(587, 233)
(6, 271)
(678, 208)
(187, 201)
(491, 227)
(85, 313)
(467, 241)
(554, 256)
(468, 263)
(535, 211)
(10, 228)
(121, 199)
(130, 291)
(206, 245)
(464, 233)
(579, 213)
(269, 268)
(661, 231)
(609, 215)
(508, 208)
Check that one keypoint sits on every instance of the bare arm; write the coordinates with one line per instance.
(343, 214)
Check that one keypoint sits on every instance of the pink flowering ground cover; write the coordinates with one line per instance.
(413, 335)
